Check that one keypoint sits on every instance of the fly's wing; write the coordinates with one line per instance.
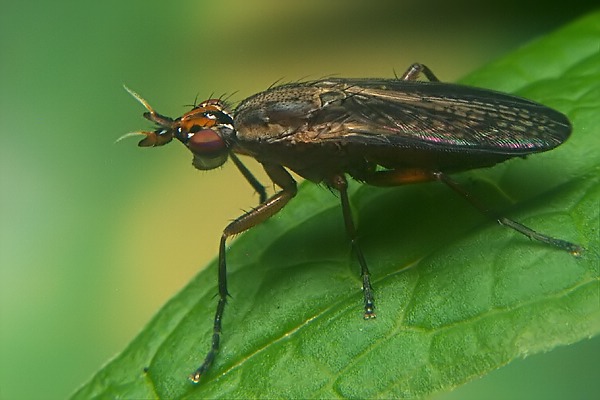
(417, 115)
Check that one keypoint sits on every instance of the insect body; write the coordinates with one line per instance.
(383, 132)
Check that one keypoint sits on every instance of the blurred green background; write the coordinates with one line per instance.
(96, 236)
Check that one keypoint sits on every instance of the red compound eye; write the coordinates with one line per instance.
(206, 142)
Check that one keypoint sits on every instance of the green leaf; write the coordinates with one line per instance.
(457, 296)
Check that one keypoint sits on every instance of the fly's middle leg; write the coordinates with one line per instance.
(340, 183)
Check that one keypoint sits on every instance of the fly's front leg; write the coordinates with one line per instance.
(340, 183)
(258, 187)
(252, 218)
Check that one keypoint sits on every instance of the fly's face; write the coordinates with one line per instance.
(207, 131)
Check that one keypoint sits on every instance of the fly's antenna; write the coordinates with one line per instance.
(151, 115)
(160, 136)
(141, 100)
(130, 134)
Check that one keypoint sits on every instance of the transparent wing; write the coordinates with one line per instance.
(429, 115)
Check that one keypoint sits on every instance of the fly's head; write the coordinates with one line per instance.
(206, 130)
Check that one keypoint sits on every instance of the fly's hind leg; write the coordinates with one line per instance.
(572, 248)
(406, 176)
(414, 71)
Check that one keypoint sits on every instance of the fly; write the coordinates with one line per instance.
(382, 132)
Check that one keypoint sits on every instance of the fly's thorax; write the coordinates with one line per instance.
(282, 111)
